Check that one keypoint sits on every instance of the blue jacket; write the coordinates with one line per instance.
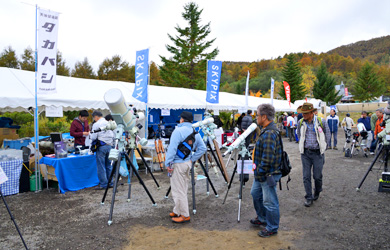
(366, 121)
(333, 123)
(181, 132)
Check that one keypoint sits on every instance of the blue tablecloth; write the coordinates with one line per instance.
(12, 170)
(74, 173)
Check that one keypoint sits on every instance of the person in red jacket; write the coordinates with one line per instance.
(79, 129)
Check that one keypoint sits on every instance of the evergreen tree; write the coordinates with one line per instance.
(9, 59)
(187, 67)
(369, 85)
(83, 70)
(324, 87)
(292, 74)
(62, 69)
(116, 70)
(28, 60)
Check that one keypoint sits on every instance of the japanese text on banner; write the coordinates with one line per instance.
(213, 81)
(141, 75)
(47, 51)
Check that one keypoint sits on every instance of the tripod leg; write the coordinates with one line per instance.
(368, 170)
(169, 190)
(230, 183)
(241, 184)
(218, 163)
(208, 178)
(109, 181)
(130, 152)
(193, 188)
(13, 219)
(118, 164)
(206, 161)
(148, 168)
(140, 180)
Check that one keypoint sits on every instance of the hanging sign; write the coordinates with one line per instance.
(213, 81)
(141, 75)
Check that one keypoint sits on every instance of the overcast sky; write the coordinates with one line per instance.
(246, 30)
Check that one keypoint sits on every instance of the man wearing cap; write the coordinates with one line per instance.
(104, 167)
(313, 134)
(79, 129)
(179, 168)
(347, 122)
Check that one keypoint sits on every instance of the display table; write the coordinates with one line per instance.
(74, 172)
(12, 170)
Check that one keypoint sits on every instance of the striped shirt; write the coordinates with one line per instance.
(311, 137)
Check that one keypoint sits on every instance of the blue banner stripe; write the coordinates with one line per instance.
(213, 81)
(141, 75)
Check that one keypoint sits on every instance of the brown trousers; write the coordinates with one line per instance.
(179, 187)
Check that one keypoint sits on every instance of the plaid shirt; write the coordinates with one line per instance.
(311, 137)
(268, 152)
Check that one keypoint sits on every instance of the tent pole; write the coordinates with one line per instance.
(36, 120)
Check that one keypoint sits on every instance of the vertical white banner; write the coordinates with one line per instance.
(247, 91)
(272, 90)
(47, 51)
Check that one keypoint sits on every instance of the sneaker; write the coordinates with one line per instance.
(265, 233)
(99, 188)
(316, 196)
(372, 153)
(172, 214)
(308, 203)
(181, 219)
(256, 222)
(335, 148)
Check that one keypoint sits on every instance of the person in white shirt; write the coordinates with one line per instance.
(347, 122)
(104, 167)
(291, 124)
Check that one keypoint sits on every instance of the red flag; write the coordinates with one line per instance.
(306, 99)
(346, 91)
(287, 91)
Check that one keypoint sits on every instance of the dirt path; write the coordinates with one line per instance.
(341, 219)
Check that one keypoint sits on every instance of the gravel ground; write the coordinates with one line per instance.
(341, 219)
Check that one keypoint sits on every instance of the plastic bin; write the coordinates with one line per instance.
(16, 144)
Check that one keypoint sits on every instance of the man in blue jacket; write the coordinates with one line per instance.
(179, 169)
(333, 123)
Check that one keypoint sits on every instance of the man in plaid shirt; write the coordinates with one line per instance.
(268, 156)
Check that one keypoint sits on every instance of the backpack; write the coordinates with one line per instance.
(285, 165)
(185, 147)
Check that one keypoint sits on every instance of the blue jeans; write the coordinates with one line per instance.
(103, 165)
(266, 203)
(312, 160)
(373, 143)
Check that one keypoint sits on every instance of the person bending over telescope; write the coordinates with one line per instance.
(179, 167)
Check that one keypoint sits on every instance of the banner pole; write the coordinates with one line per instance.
(207, 72)
(36, 120)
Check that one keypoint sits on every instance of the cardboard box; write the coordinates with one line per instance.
(7, 131)
(10, 137)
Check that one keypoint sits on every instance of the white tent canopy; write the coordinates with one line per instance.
(18, 89)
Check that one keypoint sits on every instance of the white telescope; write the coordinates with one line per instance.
(241, 138)
(204, 122)
(117, 104)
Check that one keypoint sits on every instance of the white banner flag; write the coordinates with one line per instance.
(47, 51)
(272, 90)
(247, 91)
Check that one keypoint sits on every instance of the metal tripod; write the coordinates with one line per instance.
(193, 182)
(242, 154)
(13, 219)
(386, 150)
(115, 172)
